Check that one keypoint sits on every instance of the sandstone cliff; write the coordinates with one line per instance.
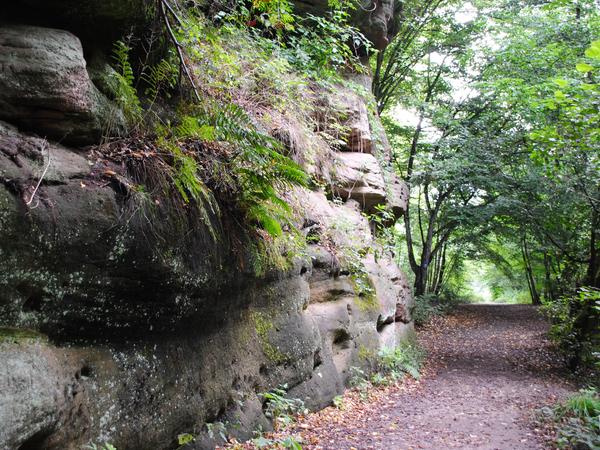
(130, 324)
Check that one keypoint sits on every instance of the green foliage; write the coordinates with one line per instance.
(318, 45)
(290, 442)
(324, 45)
(273, 15)
(161, 77)
(405, 358)
(578, 420)
(352, 258)
(358, 377)
(260, 168)
(217, 429)
(379, 379)
(105, 446)
(280, 409)
(385, 234)
(422, 27)
(574, 318)
(338, 402)
(503, 177)
(359, 381)
(428, 306)
(584, 404)
(391, 365)
(184, 439)
(125, 93)
(256, 167)
(186, 178)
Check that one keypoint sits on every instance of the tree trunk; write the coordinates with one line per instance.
(548, 288)
(535, 297)
(420, 281)
(442, 267)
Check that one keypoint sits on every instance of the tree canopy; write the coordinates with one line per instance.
(493, 113)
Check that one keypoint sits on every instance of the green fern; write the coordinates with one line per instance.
(258, 164)
(264, 216)
(189, 184)
(125, 93)
(191, 127)
(160, 76)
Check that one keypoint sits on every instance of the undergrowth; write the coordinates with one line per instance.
(577, 421)
(281, 409)
(406, 358)
(105, 446)
(255, 124)
(390, 366)
(574, 319)
(321, 46)
(428, 306)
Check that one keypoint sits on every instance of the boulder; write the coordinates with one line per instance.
(45, 87)
(26, 158)
(358, 176)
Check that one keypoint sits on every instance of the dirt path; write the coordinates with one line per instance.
(491, 365)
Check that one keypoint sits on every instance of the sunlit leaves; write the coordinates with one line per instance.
(584, 67)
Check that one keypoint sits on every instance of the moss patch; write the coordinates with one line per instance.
(365, 354)
(16, 335)
(263, 325)
(366, 299)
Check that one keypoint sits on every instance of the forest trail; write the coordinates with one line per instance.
(490, 367)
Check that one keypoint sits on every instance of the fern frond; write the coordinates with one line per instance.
(263, 216)
(160, 76)
(125, 93)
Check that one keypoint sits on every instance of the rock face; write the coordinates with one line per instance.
(44, 86)
(128, 321)
(355, 109)
(358, 176)
(34, 391)
(355, 309)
